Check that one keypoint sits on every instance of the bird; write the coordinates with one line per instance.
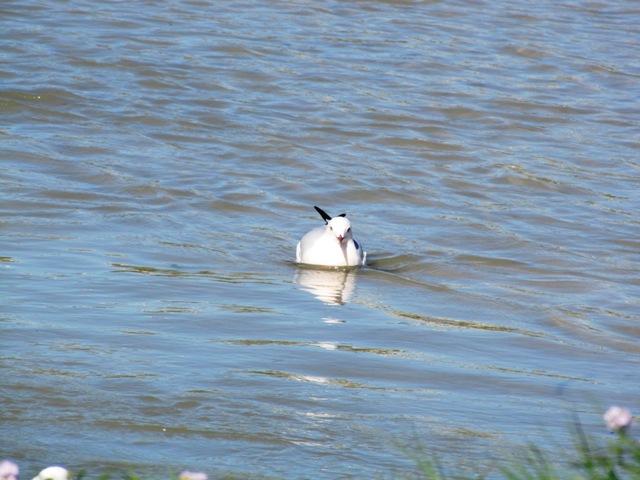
(53, 473)
(332, 245)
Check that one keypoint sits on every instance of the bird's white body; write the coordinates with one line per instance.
(53, 473)
(331, 245)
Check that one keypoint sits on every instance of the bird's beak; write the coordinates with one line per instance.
(340, 237)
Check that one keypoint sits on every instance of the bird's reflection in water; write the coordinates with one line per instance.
(333, 287)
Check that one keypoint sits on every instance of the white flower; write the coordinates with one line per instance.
(618, 419)
(53, 473)
(9, 470)
(192, 476)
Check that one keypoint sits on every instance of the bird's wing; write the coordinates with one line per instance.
(325, 216)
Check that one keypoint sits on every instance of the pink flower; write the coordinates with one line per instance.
(618, 419)
(192, 476)
(9, 470)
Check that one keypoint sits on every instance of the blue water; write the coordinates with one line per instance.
(160, 161)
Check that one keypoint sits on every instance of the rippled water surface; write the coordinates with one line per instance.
(160, 161)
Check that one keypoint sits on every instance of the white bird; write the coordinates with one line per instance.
(53, 473)
(332, 245)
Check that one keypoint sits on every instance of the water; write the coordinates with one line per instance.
(160, 160)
